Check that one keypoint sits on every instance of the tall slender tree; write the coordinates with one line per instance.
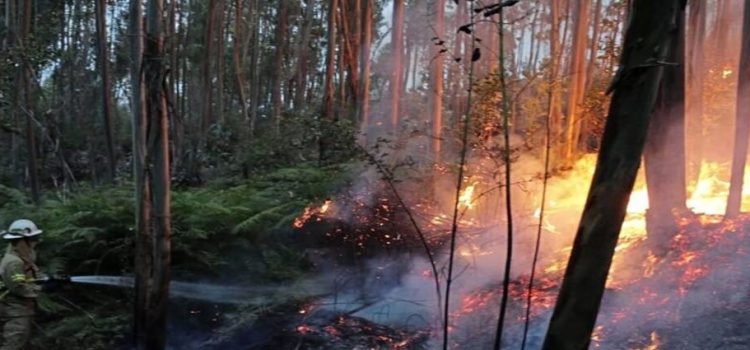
(648, 40)
(329, 99)
(208, 117)
(664, 153)
(577, 78)
(364, 64)
(151, 142)
(25, 77)
(397, 69)
(107, 106)
(436, 78)
(742, 122)
(237, 57)
(282, 17)
(695, 65)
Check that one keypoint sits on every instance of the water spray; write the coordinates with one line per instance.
(187, 290)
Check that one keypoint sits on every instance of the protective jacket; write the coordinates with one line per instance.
(18, 297)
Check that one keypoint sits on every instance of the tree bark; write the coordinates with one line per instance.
(143, 259)
(220, 53)
(742, 121)
(277, 76)
(577, 78)
(364, 64)
(254, 63)
(436, 79)
(107, 107)
(208, 118)
(594, 45)
(555, 110)
(648, 38)
(664, 153)
(696, 63)
(397, 71)
(237, 55)
(24, 71)
(722, 27)
(157, 160)
(330, 91)
(303, 54)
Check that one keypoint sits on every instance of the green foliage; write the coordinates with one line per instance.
(219, 230)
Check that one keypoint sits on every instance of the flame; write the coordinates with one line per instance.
(311, 211)
(466, 199)
(655, 342)
(726, 73)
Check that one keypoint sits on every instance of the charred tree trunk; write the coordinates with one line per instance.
(664, 152)
(636, 86)
(153, 274)
(397, 71)
(107, 107)
(436, 75)
(742, 123)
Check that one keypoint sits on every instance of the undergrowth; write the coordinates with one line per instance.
(225, 232)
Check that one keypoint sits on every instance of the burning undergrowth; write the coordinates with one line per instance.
(651, 290)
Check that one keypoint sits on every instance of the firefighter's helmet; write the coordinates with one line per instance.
(22, 228)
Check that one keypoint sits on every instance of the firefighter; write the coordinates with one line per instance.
(19, 291)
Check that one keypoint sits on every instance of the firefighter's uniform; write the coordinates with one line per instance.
(19, 291)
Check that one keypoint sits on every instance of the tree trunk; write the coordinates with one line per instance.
(107, 108)
(577, 79)
(594, 46)
(722, 27)
(208, 118)
(254, 63)
(330, 91)
(664, 153)
(238, 57)
(436, 80)
(24, 71)
(364, 64)
(636, 86)
(158, 235)
(397, 76)
(143, 260)
(742, 123)
(280, 43)
(220, 62)
(555, 110)
(696, 59)
(303, 54)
